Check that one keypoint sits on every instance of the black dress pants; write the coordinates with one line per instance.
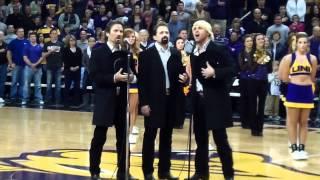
(99, 139)
(149, 137)
(201, 136)
(257, 97)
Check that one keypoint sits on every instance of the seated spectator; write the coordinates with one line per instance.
(69, 18)
(257, 24)
(284, 17)
(135, 20)
(296, 25)
(218, 36)
(144, 39)
(235, 45)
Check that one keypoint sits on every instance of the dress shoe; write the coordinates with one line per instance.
(198, 176)
(95, 177)
(149, 177)
(167, 176)
(229, 178)
(256, 133)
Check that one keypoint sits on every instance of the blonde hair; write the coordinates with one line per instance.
(204, 25)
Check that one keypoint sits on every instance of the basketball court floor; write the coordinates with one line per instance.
(43, 144)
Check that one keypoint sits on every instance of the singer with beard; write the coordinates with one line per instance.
(110, 99)
(161, 81)
(212, 67)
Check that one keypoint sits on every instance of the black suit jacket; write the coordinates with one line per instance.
(110, 106)
(152, 88)
(217, 102)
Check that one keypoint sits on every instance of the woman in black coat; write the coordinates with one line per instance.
(72, 59)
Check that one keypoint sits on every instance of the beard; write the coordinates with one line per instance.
(165, 40)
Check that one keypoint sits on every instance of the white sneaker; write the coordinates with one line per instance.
(41, 102)
(23, 102)
(1, 100)
(295, 155)
(135, 130)
(132, 139)
(303, 155)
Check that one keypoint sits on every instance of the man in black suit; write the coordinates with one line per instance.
(212, 67)
(110, 100)
(161, 80)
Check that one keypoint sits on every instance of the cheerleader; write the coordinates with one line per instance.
(298, 70)
(132, 39)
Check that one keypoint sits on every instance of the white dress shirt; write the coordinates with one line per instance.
(164, 55)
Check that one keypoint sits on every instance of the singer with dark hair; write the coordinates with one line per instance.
(110, 99)
(161, 81)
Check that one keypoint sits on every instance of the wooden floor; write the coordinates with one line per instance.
(53, 144)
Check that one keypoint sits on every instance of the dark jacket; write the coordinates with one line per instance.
(152, 88)
(218, 113)
(109, 107)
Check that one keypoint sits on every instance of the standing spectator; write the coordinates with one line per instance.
(101, 19)
(296, 25)
(148, 21)
(16, 64)
(82, 43)
(183, 17)
(84, 27)
(235, 45)
(3, 10)
(144, 39)
(87, 17)
(54, 15)
(3, 27)
(10, 34)
(3, 65)
(135, 21)
(200, 13)
(218, 35)
(72, 59)
(52, 51)
(16, 18)
(273, 98)
(245, 59)
(69, 18)
(296, 7)
(314, 41)
(46, 5)
(278, 50)
(12, 5)
(86, 80)
(36, 7)
(188, 44)
(218, 10)
(284, 17)
(174, 26)
(32, 57)
(236, 27)
(28, 23)
(257, 24)
(46, 29)
(121, 14)
(266, 12)
(258, 85)
(281, 28)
